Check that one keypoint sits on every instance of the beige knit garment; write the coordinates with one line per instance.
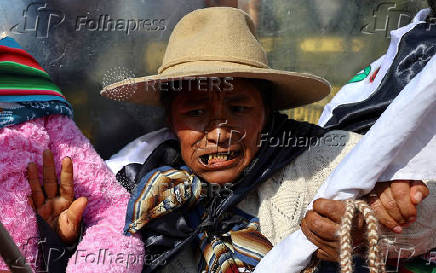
(281, 202)
(286, 195)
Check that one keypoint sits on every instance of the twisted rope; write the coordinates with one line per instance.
(375, 261)
(346, 242)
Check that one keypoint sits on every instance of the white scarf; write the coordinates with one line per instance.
(400, 145)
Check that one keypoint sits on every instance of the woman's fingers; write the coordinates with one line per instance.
(391, 206)
(329, 249)
(47, 211)
(59, 209)
(383, 216)
(37, 193)
(418, 192)
(332, 209)
(401, 192)
(395, 202)
(75, 211)
(322, 227)
(328, 255)
(66, 180)
(49, 175)
(69, 220)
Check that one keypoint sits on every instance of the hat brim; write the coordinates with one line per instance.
(292, 89)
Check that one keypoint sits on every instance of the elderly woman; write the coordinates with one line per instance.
(239, 175)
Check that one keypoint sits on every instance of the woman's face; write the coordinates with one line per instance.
(218, 130)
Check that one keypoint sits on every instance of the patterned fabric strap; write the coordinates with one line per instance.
(160, 192)
(166, 189)
(12, 113)
(241, 248)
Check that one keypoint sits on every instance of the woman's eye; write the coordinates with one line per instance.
(239, 109)
(195, 113)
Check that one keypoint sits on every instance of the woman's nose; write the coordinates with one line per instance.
(218, 133)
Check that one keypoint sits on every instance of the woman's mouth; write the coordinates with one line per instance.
(218, 160)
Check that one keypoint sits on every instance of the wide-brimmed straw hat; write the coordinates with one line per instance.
(219, 42)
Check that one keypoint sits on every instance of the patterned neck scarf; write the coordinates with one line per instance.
(166, 206)
(26, 91)
(165, 189)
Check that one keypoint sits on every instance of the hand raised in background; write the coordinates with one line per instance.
(54, 201)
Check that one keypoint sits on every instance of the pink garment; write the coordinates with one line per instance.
(107, 200)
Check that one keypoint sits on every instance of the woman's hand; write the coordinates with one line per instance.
(394, 204)
(320, 226)
(55, 202)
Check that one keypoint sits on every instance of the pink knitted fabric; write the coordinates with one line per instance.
(104, 248)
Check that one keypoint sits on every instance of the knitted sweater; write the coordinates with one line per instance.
(107, 200)
(280, 203)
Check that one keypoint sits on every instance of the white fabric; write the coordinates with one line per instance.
(138, 150)
(398, 146)
(359, 91)
(280, 202)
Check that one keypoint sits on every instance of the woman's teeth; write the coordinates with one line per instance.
(211, 158)
(218, 156)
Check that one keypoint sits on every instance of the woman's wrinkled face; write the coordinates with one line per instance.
(218, 130)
